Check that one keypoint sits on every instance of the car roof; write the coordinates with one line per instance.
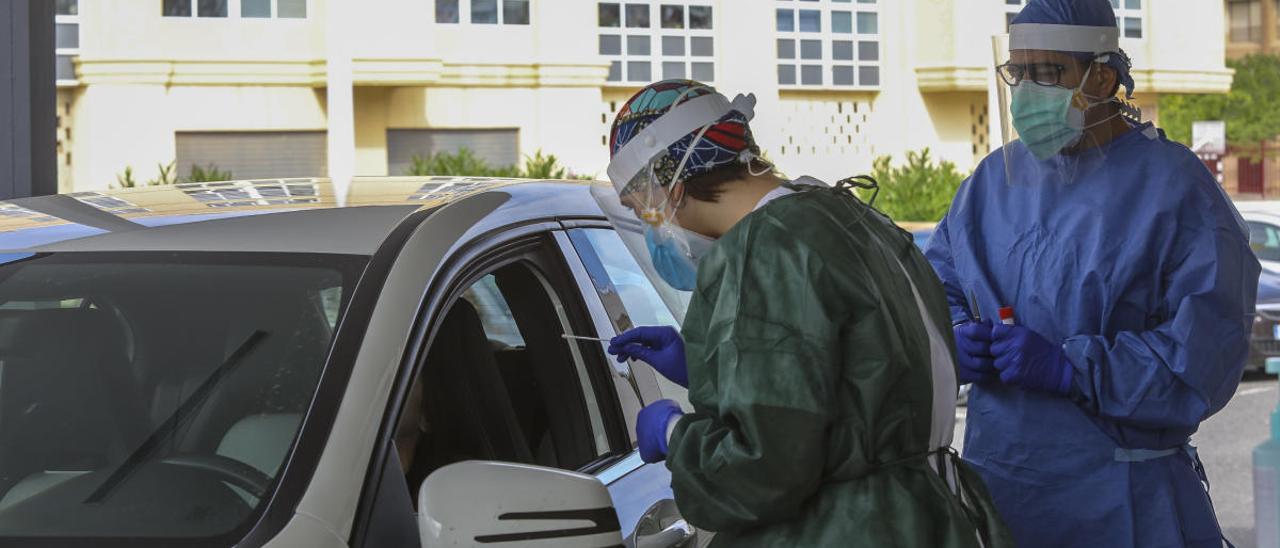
(272, 215)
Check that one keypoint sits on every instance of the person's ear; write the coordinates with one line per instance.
(1104, 81)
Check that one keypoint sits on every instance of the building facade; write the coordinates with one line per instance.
(284, 88)
(1253, 27)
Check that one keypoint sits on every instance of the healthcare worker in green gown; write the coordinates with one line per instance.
(817, 347)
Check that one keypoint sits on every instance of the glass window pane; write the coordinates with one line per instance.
(639, 71)
(868, 23)
(515, 12)
(842, 76)
(484, 12)
(842, 50)
(447, 11)
(811, 49)
(638, 16)
(868, 51)
(255, 8)
(66, 35)
(811, 75)
(810, 21)
(67, 7)
(700, 17)
(672, 17)
(842, 22)
(177, 8)
(211, 8)
(65, 68)
(610, 44)
(1133, 4)
(615, 71)
(868, 76)
(1132, 27)
(786, 49)
(786, 75)
(673, 45)
(610, 15)
(701, 46)
(866, 1)
(786, 20)
(291, 9)
(1115, 4)
(673, 70)
(637, 45)
(704, 72)
(1019, 2)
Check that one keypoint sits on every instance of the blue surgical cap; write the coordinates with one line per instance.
(1085, 13)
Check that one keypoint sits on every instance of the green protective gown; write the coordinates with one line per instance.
(809, 375)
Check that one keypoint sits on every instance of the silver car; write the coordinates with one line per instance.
(255, 363)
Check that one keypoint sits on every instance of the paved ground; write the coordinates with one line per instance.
(1226, 443)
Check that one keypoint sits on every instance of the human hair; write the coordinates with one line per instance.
(708, 186)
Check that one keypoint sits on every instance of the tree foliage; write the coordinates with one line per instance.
(1251, 109)
(919, 190)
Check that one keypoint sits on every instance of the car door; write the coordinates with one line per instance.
(620, 296)
(493, 378)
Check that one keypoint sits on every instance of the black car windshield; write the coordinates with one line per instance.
(156, 395)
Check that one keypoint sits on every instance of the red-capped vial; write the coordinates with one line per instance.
(1006, 315)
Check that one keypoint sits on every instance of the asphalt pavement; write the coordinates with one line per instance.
(1226, 443)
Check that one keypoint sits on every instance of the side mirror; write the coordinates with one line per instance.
(500, 503)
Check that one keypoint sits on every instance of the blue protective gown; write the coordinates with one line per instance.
(1142, 269)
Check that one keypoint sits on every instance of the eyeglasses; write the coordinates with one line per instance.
(1045, 74)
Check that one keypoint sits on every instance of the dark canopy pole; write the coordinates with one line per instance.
(28, 142)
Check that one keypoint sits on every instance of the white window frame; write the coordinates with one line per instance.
(73, 52)
(828, 38)
(234, 9)
(656, 33)
(464, 15)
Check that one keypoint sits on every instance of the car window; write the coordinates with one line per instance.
(499, 382)
(99, 353)
(1264, 238)
(615, 271)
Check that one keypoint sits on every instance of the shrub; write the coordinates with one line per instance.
(920, 190)
(465, 163)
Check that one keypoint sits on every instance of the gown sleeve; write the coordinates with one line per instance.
(766, 333)
(938, 252)
(1187, 367)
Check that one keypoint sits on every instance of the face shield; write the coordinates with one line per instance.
(646, 194)
(1043, 106)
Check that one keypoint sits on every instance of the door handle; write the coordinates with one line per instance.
(676, 534)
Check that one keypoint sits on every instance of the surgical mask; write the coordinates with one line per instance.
(673, 264)
(1045, 120)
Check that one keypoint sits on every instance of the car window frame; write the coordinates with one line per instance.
(467, 264)
(616, 307)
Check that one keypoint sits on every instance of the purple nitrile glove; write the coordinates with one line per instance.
(660, 347)
(652, 425)
(973, 353)
(1026, 359)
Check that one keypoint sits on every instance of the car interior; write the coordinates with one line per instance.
(500, 383)
(89, 372)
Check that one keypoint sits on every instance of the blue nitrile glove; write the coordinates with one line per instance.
(1026, 359)
(973, 352)
(652, 425)
(659, 346)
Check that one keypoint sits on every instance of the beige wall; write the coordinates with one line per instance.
(134, 125)
(145, 77)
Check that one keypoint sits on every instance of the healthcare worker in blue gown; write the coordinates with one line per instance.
(1132, 284)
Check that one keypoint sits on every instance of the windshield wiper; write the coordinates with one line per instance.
(179, 416)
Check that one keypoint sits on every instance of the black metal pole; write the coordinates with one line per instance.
(28, 124)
